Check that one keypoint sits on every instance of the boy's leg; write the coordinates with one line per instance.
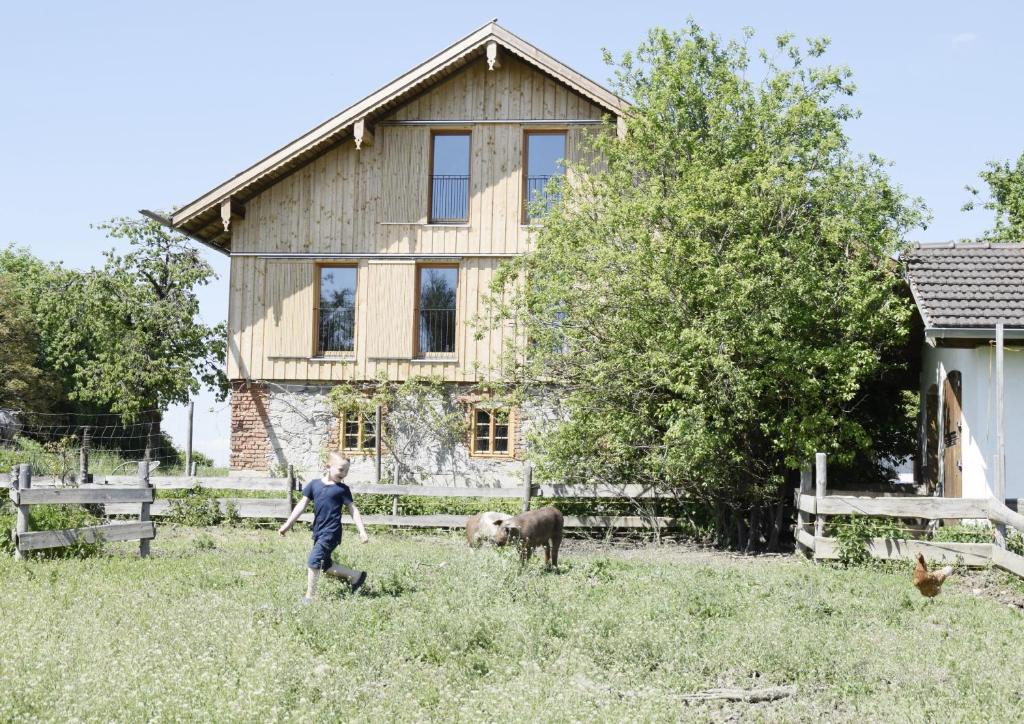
(312, 577)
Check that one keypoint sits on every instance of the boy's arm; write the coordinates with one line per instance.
(354, 512)
(299, 507)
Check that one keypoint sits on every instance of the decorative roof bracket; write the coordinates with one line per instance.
(492, 56)
(230, 209)
(362, 134)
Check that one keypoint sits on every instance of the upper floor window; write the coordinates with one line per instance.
(435, 310)
(544, 153)
(336, 310)
(449, 177)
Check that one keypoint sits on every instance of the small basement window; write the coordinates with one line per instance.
(358, 432)
(491, 432)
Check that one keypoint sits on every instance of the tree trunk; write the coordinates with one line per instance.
(152, 427)
(754, 535)
(780, 509)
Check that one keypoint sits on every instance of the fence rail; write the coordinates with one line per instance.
(121, 501)
(810, 535)
(23, 495)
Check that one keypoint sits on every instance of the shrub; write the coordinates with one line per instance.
(196, 507)
(854, 532)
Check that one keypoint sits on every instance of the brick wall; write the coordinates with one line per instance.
(250, 445)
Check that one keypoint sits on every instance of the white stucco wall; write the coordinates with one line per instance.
(977, 367)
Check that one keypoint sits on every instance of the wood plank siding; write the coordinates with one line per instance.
(373, 202)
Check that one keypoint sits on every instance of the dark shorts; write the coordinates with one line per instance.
(320, 556)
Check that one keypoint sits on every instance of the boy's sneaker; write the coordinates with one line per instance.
(358, 583)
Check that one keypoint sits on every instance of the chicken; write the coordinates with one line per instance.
(929, 583)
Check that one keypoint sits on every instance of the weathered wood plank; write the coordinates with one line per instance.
(1000, 513)
(110, 533)
(628, 490)
(1008, 561)
(910, 507)
(437, 492)
(973, 554)
(807, 504)
(805, 539)
(92, 494)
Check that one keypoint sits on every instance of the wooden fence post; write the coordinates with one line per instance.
(803, 520)
(144, 510)
(820, 491)
(291, 487)
(528, 483)
(83, 456)
(21, 477)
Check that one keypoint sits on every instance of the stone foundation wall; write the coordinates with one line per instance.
(276, 424)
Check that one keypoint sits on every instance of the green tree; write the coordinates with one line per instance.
(718, 300)
(126, 338)
(25, 385)
(1006, 199)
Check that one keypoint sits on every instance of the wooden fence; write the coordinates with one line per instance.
(814, 500)
(24, 496)
(279, 507)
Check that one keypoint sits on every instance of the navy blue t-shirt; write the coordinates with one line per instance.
(328, 501)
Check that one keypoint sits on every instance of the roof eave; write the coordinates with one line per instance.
(333, 130)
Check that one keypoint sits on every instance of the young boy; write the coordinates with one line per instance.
(328, 497)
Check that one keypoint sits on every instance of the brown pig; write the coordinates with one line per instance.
(532, 529)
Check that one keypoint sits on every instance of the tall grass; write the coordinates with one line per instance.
(209, 628)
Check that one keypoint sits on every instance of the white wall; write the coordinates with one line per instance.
(977, 367)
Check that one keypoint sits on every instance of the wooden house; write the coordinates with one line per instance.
(970, 297)
(365, 246)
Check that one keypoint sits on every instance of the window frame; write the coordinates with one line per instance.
(417, 353)
(524, 197)
(491, 408)
(364, 421)
(434, 133)
(317, 352)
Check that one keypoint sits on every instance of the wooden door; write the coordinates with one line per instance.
(952, 428)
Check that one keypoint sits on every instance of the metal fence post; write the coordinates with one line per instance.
(83, 455)
(397, 481)
(188, 439)
(528, 483)
(144, 510)
(376, 444)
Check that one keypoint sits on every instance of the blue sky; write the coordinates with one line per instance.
(112, 107)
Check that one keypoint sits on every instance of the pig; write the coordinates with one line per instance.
(483, 527)
(534, 528)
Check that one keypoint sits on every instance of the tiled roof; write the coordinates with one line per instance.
(968, 284)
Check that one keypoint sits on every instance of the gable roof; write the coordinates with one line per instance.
(968, 287)
(201, 218)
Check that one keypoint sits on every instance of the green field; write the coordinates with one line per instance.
(209, 628)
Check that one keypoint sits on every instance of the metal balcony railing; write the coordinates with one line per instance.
(535, 192)
(437, 331)
(449, 199)
(336, 329)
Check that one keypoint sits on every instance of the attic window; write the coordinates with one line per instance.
(544, 154)
(449, 177)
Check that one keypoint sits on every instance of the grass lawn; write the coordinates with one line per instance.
(209, 628)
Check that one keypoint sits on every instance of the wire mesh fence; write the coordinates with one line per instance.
(74, 447)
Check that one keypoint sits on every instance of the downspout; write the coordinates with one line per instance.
(164, 221)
